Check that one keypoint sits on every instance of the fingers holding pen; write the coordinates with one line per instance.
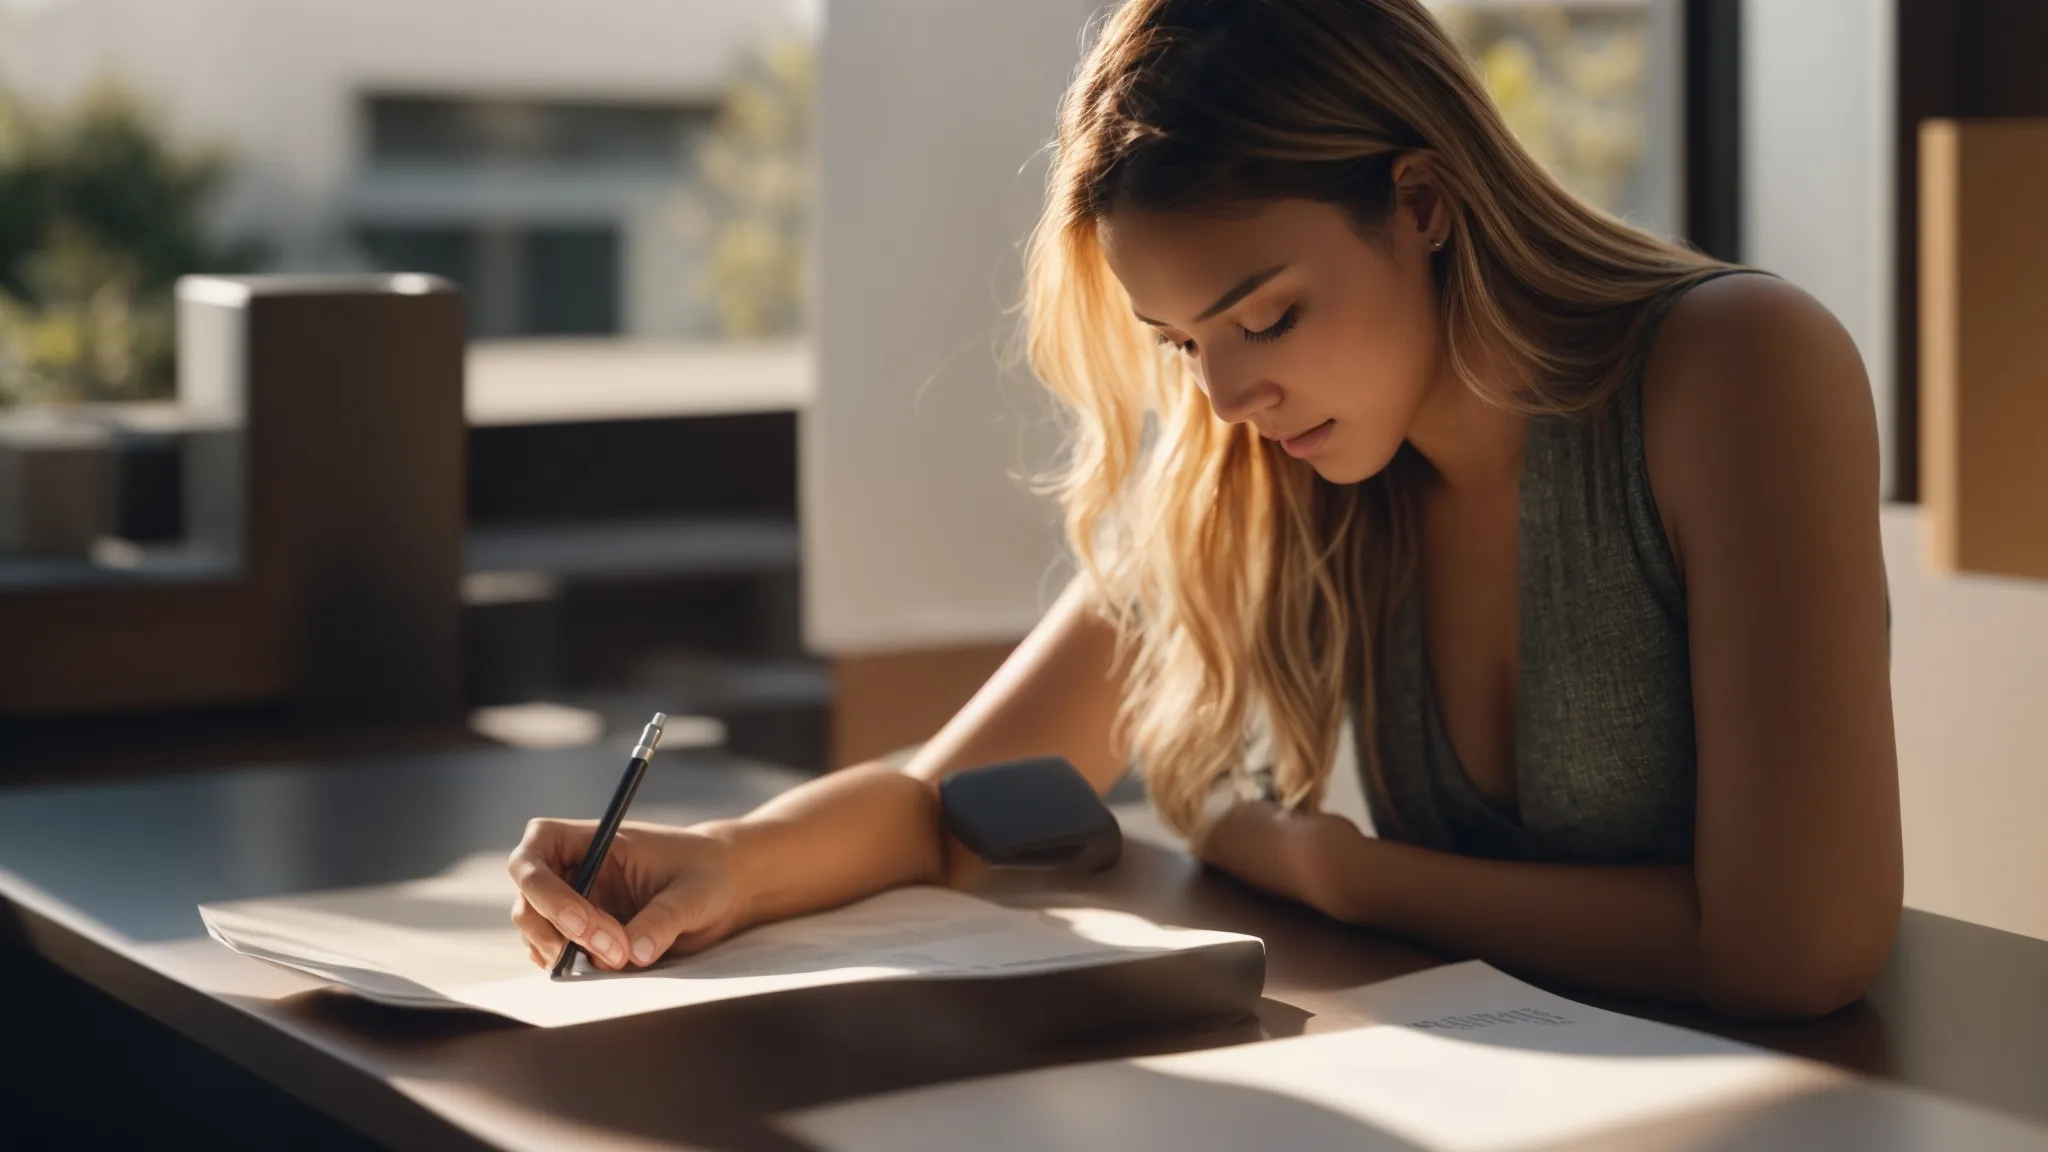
(550, 911)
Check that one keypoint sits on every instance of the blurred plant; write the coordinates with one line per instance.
(1569, 81)
(756, 167)
(99, 216)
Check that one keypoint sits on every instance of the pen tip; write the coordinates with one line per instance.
(660, 719)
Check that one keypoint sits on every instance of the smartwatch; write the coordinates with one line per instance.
(1039, 813)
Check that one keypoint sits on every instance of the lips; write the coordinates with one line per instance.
(1304, 443)
(1292, 436)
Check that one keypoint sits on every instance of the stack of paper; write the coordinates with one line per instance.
(1462, 1057)
(448, 942)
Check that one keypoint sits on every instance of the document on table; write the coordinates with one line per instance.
(1461, 1057)
(448, 942)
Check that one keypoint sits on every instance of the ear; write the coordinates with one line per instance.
(1420, 210)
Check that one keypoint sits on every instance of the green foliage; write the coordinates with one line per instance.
(756, 168)
(99, 216)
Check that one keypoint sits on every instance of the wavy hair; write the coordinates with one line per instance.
(1248, 594)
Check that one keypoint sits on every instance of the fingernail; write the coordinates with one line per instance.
(643, 950)
(573, 922)
(605, 946)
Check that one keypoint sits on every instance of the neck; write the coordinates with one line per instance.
(1472, 446)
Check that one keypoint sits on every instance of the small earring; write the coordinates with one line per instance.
(1437, 245)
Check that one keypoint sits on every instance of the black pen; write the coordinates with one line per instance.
(614, 815)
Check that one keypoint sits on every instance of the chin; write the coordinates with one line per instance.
(1351, 467)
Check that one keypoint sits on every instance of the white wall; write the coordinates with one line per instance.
(917, 532)
(1817, 116)
(1970, 691)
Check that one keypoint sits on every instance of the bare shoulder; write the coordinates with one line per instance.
(1752, 386)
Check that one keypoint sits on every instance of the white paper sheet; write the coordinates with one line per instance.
(1463, 1057)
(448, 942)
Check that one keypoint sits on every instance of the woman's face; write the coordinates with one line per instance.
(1293, 321)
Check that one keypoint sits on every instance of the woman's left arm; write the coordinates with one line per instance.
(1761, 435)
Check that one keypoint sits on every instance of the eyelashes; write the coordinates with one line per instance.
(1274, 331)
(1278, 328)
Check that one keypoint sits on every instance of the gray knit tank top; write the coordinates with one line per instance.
(1603, 743)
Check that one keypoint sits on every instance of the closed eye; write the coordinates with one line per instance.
(1277, 329)
(1274, 331)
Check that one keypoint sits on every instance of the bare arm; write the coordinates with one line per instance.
(869, 828)
(1763, 451)
(832, 840)
(1633, 931)
(1771, 486)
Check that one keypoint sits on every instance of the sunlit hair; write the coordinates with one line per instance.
(1250, 595)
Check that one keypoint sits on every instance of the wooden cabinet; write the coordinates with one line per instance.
(1984, 344)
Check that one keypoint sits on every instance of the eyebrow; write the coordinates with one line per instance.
(1245, 287)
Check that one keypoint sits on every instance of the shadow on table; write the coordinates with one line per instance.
(1128, 1107)
(1862, 1115)
(707, 1074)
(1136, 1108)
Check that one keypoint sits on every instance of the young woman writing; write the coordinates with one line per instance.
(1370, 420)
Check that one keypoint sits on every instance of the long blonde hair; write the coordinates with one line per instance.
(1250, 595)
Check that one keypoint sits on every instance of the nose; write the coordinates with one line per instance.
(1236, 397)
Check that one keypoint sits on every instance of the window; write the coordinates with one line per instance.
(520, 280)
(535, 208)
(454, 131)
(1593, 90)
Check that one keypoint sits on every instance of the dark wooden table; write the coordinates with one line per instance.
(137, 1027)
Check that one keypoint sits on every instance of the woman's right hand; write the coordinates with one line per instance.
(661, 890)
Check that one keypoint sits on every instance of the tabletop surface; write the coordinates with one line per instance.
(104, 880)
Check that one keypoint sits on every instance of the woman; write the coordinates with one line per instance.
(1371, 420)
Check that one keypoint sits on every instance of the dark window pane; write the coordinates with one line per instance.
(403, 129)
(572, 281)
(438, 130)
